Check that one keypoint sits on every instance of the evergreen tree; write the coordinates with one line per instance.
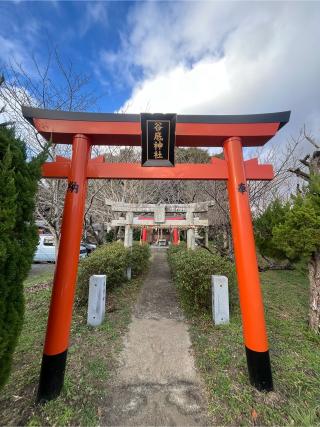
(264, 225)
(299, 237)
(19, 238)
(293, 231)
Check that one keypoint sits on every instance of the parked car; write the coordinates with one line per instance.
(89, 246)
(46, 249)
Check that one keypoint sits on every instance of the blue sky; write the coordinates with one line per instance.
(183, 57)
(79, 30)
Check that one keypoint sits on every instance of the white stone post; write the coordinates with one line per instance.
(220, 300)
(97, 299)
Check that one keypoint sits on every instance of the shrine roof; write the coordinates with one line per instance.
(125, 129)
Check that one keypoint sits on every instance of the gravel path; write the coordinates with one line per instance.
(157, 383)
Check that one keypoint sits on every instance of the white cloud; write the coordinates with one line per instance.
(17, 40)
(171, 90)
(95, 13)
(12, 51)
(222, 58)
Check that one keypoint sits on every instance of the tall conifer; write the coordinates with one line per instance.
(18, 238)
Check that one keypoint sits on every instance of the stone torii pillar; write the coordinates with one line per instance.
(128, 238)
(191, 230)
(128, 231)
(206, 237)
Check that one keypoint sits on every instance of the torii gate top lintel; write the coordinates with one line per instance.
(165, 207)
(125, 129)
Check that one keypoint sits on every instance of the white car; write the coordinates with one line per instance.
(46, 249)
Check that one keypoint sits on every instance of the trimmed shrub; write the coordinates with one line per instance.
(139, 258)
(173, 249)
(111, 259)
(192, 270)
(19, 238)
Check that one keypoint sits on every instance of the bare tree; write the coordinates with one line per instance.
(262, 193)
(51, 83)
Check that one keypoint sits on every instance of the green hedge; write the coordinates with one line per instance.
(111, 259)
(139, 258)
(191, 272)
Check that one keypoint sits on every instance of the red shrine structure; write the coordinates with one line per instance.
(82, 130)
(175, 231)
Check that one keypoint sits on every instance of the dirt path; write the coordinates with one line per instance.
(157, 383)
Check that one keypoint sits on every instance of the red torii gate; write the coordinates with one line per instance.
(83, 130)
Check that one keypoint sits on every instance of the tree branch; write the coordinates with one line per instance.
(309, 138)
(304, 160)
(300, 174)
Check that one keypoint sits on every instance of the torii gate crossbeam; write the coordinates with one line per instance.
(83, 130)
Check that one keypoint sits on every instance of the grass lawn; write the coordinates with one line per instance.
(294, 352)
(90, 366)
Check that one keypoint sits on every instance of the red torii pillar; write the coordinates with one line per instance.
(144, 236)
(251, 303)
(60, 313)
(175, 235)
(117, 129)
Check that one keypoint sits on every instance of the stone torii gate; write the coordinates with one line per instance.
(82, 131)
(159, 219)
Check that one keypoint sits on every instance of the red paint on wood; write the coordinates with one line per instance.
(60, 314)
(254, 328)
(216, 170)
(129, 133)
(175, 235)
